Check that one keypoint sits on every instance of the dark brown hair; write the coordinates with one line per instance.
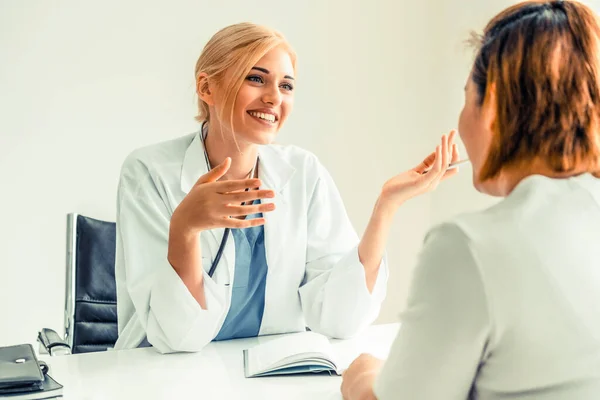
(542, 59)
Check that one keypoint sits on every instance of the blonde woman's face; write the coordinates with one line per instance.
(265, 98)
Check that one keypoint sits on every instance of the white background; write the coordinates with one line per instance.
(83, 83)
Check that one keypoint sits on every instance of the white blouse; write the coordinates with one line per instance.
(505, 302)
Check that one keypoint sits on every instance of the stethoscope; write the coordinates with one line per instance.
(213, 267)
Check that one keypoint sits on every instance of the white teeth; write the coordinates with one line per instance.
(266, 117)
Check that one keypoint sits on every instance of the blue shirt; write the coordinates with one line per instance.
(248, 292)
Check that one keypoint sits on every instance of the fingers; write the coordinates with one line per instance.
(449, 173)
(436, 168)
(216, 173)
(243, 223)
(446, 156)
(440, 168)
(425, 164)
(450, 149)
(440, 164)
(451, 137)
(234, 185)
(445, 153)
(455, 158)
(241, 211)
(240, 197)
(455, 155)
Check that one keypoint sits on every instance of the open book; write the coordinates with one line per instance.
(295, 353)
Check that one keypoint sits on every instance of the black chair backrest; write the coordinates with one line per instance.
(95, 322)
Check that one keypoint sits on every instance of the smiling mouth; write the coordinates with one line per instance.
(264, 117)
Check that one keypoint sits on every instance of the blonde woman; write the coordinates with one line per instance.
(221, 234)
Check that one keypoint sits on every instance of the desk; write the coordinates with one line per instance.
(214, 373)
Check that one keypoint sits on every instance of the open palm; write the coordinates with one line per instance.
(425, 176)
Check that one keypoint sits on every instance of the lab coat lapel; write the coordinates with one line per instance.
(275, 173)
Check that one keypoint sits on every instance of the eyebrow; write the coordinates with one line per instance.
(266, 71)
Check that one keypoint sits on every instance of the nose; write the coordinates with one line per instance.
(272, 95)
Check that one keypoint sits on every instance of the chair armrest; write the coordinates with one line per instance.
(52, 343)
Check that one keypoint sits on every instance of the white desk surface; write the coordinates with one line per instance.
(214, 373)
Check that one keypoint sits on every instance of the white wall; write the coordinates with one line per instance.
(83, 83)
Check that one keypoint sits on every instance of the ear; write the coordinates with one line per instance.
(204, 89)
(490, 108)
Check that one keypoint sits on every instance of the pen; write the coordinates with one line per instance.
(452, 165)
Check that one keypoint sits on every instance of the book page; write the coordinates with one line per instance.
(290, 348)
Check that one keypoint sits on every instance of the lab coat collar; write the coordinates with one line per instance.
(274, 171)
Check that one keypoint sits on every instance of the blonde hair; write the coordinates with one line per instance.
(237, 47)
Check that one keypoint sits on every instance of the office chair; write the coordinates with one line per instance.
(90, 293)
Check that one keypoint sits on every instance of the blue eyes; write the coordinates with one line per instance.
(259, 79)
(255, 78)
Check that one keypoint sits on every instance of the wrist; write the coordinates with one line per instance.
(180, 229)
(182, 241)
(385, 208)
(364, 386)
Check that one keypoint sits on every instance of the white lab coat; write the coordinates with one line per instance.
(314, 279)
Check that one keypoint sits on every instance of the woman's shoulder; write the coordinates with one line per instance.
(535, 204)
(479, 226)
(474, 228)
(165, 153)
